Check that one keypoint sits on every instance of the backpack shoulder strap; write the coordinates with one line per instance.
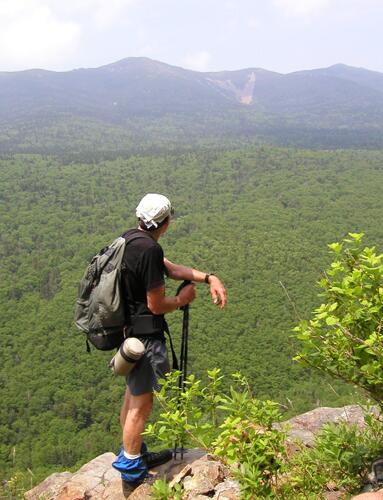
(129, 239)
(136, 236)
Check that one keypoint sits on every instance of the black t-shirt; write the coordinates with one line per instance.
(143, 269)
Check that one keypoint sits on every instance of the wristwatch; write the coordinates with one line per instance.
(207, 276)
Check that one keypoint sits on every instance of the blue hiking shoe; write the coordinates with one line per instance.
(132, 470)
(152, 459)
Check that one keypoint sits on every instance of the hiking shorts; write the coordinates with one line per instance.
(153, 366)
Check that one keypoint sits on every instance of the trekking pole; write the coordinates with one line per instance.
(183, 358)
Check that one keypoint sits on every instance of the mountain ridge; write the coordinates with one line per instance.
(249, 102)
(131, 59)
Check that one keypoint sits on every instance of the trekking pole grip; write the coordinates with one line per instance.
(182, 285)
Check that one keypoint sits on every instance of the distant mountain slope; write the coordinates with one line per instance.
(154, 97)
(333, 100)
(364, 77)
(113, 92)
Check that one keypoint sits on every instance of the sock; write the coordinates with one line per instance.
(131, 457)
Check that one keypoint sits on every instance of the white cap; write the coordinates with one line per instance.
(153, 209)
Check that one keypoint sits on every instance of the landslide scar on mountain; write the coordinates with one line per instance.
(243, 95)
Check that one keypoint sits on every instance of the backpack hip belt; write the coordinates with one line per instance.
(147, 324)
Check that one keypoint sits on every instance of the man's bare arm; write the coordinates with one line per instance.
(158, 303)
(179, 272)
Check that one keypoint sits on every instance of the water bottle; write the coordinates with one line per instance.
(125, 359)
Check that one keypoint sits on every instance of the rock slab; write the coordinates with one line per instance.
(304, 427)
(89, 482)
(200, 475)
(97, 480)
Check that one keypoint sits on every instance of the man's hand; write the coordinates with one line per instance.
(158, 303)
(186, 294)
(217, 291)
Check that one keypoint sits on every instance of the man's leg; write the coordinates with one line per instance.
(124, 408)
(134, 460)
(131, 439)
(135, 410)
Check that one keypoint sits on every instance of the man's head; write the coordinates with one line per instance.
(153, 211)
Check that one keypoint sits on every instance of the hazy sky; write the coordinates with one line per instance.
(280, 35)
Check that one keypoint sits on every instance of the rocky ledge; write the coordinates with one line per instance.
(201, 476)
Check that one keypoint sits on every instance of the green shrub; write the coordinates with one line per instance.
(249, 442)
(161, 490)
(340, 458)
(344, 337)
(236, 428)
(15, 487)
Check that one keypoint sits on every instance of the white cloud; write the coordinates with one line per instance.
(300, 8)
(45, 33)
(197, 61)
(230, 5)
(101, 13)
(108, 12)
(31, 35)
(253, 22)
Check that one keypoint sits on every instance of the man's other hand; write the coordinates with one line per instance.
(217, 291)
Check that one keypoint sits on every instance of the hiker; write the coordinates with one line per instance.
(143, 271)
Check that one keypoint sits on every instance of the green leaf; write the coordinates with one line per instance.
(332, 320)
(336, 247)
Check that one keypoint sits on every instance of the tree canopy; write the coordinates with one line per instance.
(259, 217)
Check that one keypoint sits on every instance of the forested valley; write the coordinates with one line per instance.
(260, 217)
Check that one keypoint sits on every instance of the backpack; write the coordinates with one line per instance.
(100, 310)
